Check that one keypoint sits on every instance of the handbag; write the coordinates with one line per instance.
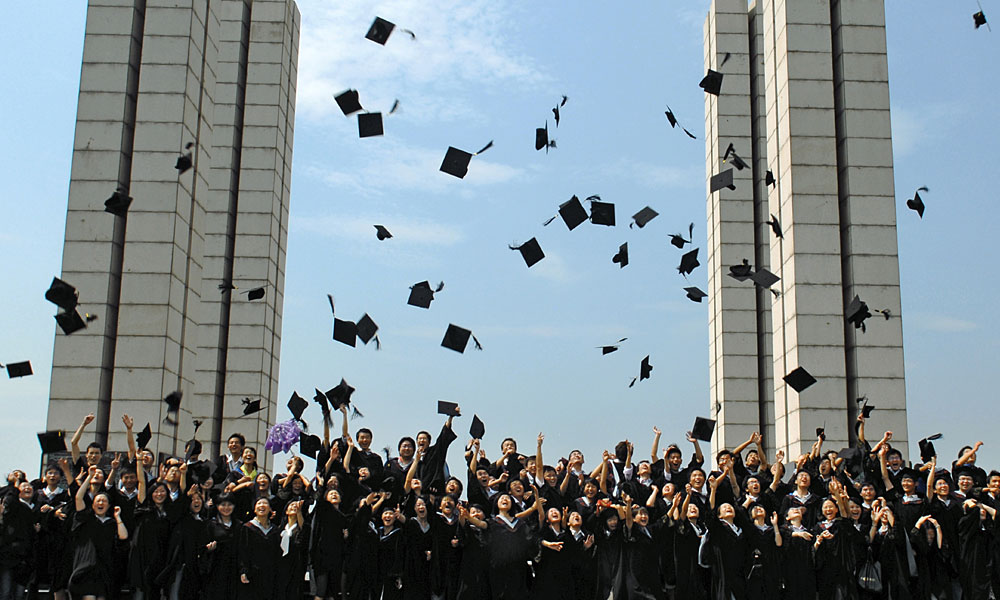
(870, 575)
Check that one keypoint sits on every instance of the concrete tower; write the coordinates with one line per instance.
(158, 75)
(805, 95)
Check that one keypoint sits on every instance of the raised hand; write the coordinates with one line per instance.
(656, 430)
(128, 421)
(89, 419)
(588, 541)
(117, 461)
(774, 519)
(118, 512)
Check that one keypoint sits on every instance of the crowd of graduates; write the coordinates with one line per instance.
(858, 523)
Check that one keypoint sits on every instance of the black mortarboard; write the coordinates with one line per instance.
(775, 226)
(349, 102)
(324, 405)
(478, 429)
(866, 409)
(531, 252)
(191, 448)
(218, 476)
(340, 395)
(118, 203)
(457, 338)
(184, 161)
(769, 178)
(857, 312)
(927, 451)
(852, 458)
(799, 379)
(369, 124)
(722, 180)
(542, 137)
(456, 162)
(62, 294)
(622, 257)
(916, 203)
(345, 332)
(736, 160)
(251, 406)
(821, 433)
(644, 216)
(309, 445)
(52, 441)
(380, 31)
(695, 294)
(70, 322)
(712, 82)
(957, 472)
(572, 212)
(741, 272)
(448, 408)
(703, 429)
(602, 213)
(173, 401)
(143, 437)
(421, 294)
(18, 369)
(645, 368)
(675, 123)
(382, 233)
(297, 405)
(366, 328)
(678, 240)
(909, 473)
(611, 348)
(255, 294)
(689, 262)
(979, 19)
(764, 278)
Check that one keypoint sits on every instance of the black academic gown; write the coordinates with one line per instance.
(889, 548)
(798, 566)
(18, 538)
(510, 546)
(257, 555)
(642, 557)
(584, 566)
(93, 543)
(836, 560)
(184, 557)
(764, 573)
(730, 558)
(361, 555)
(390, 564)
(292, 559)
(975, 536)
(446, 557)
(693, 579)
(418, 543)
(149, 548)
(554, 569)
(220, 566)
(610, 557)
(326, 549)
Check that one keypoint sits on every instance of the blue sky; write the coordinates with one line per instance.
(482, 71)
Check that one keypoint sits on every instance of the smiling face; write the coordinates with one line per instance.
(147, 459)
(420, 507)
(447, 506)
(406, 449)
(726, 511)
(504, 502)
(758, 512)
(25, 491)
(941, 488)
(101, 505)
(674, 460)
(263, 482)
(692, 512)
(697, 479)
(590, 490)
(803, 480)
(388, 517)
(965, 483)
(196, 503)
(868, 492)
(423, 441)
(364, 440)
(575, 519)
(753, 460)
(262, 508)
(829, 509)
(753, 486)
(159, 495)
(226, 509)
(517, 488)
(235, 446)
(643, 469)
(553, 516)
(249, 457)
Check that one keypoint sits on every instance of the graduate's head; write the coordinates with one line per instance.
(829, 509)
(235, 444)
(129, 479)
(752, 461)
(674, 457)
(197, 502)
(504, 502)
(250, 456)
(225, 504)
(575, 519)
(291, 509)
(723, 458)
(364, 438)
(641, 516)
(516, 488)
(794, 513)
(576, 456)
(159, 493)
(298, 485)
(423, 440)
(693, 512)
(508, 445)
(192, 448)
(262, 508)
(482, 476)
(972, 457)
(610, 518)
(803, 480)
(146, 458)
(825, 467)
(388, 516)
(752, 485)
(965, 481)
(941, 487)
(908, 481)
(529, 464)
(52, 474)
(16, 476)
(25, 491)
(868, 492)
(643, 469)
(453, 487)
(172, 473)
(263, 481)
(697, 478)
(101, 504)
(993, 482)
(758, 512)
(294, 463)
(406, 447)
(553, 516)
(333, 481)
(621, 450)
(363, 473)
(98, 478)
(894, 458)
(854, 509)
(333, 496)
(590, 488)
(550, 476)
(94, 453)
(420, 507)
(447, 506)
(669, 489)
(477, 511)
(726, 511)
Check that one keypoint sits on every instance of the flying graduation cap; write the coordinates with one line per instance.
(722, 180)
(254, 294)
(173, 402)
(421, 294)
(370, 123)
(457, 338)
(769, 178)
(927, 451)
(62, 294)
(775, 226)
(644, 370)
(449, 409)
(142, 438)
(118, 203)
(184, 161)
(367, 329)
(764, 278)
(297, 405)
(251, 406)
(736, 160)
(622, 257)
(678, 240)
(381, 29)
(542, 138)
(674, 123)
(799, 379)
(555, 111)
(605, 350)
(341, 396)
(52, 441)
(712, 82)
(689, 262)
(979, 19)
(382, 233)
(644, 216)
(531, 252)
(456, 162)
(349, 102)
(703, 429)
(742, 271)
(916, 203)
(18, 369)
(478, 429)
(601, 213)
(695, 294)
(857, 312)
(572, 213)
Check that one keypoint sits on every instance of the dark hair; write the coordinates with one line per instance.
(962, 451)
(893, 451)
(405, 439)
(547, 469)
(621, 450)
(53, 467)
(429, 436)
(225, 497)
(993, 473)
(672, 449)
(749, 452)
(593, 481)
(239, 436)
(251, 449)
(299, 465)
(722, 453)
(97, 445)
(193, 447)
(697, 470)
(363, 430)
(509, 439)
(152, 488)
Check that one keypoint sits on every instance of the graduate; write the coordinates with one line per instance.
(94, 534)
(219, 559)
(258, 550)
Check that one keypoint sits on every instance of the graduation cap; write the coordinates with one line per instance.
(367, 328)
(349, 102)
(143, 437)
(857, 312)
(642, 217)
(173, 402)
(916, 203)
(695, 294)
(622, 257)
(225, 286)
(688, 263)
(118, 203)
(542, 138)
(478, 429)
(370, 124)
(775, 226)
(852, 458)
(251, 406)
(927, 451)
(62, 294)
(457, 338)
(601, 213)
(769, 178)
(674, 123)
(448, 408)
(345, 332)
(821, 433)
(722, 180)
(605, 350)
(644, 370)
(309, 445)
(737, 161)
(324, 405)
(255, 294)
(741, 272)
(799, 379)
(382, 233)
(572, 213)
(297, 405)
(555, 111)
(764, 278)
(909, 473)
(703, 429)
(18, 369)
(456, 162)
(712, 82)
(71, 322)
(184, 161)
(678, 240)
(340, 395)
(979, 19)
(531, 252)
(421, 294)
(52, 441)
(381, 29)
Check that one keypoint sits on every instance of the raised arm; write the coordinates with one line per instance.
(930, 478)
(350, 450)
(140, 495)
(697, 449)
(74, 442)
(739, 449)
(861, 428)
(129, 438)
(539, 464)
(882, 442)
(886, 480)
(474, 460)
(777, 530)
(602, 481)
(81, 494)
(713, 485)
(344, 430)
(961, 460)
(411, 472)
(656, 445)
(122, 530)
(758, 440)
(627, 500)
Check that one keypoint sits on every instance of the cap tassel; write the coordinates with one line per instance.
(412, 35)
(355, 413)
(633, 381)
(484, 148)
(476, 342)
(378, 344)
(440, 286)
(395, 107)
(552, 218)
(386, 450)
(332, 309)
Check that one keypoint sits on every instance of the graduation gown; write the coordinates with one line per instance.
(797, 565)
(418, 542)
(446, 556)
(390, 564)
(642, 575)
(764, 568)
(693, 579)
(220, 567)
(361, 557)
(554, 569)
(974, 536)
(510, 545)
(18, 538)
(257, 556)
(149, 548)
(187, 543)
(93, 543)
(610, 558)
(730, 559)
(837, 560)
(326, 549)
(890, 549)
(293, 552)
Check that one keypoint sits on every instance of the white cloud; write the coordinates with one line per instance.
(554, 268)
(915, 127)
